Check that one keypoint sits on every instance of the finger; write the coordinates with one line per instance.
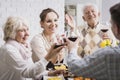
(52, 47)
(59, 48)
(67, 40)
(78, 40)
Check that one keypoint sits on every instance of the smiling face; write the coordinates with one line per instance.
(22, 34)
(90, 14)
(50, 23)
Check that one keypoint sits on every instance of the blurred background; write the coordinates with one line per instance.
(30, 10)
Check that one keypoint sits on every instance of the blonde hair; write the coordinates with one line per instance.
(12, 25)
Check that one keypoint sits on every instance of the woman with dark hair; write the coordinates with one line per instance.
(41, 43)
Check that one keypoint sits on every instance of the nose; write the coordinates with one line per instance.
(27, 33)
(90, 12)
(53, 23)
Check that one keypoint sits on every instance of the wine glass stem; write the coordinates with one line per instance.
(58, 59)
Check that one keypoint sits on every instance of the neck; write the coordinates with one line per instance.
(93, 24)
(49, 36)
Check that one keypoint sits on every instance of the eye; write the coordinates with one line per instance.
(93, 11)
(48, 21)
(55, 20)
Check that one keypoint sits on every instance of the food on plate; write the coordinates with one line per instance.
(54, 78)
(62, 66)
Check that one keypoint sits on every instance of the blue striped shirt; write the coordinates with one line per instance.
(103, 64)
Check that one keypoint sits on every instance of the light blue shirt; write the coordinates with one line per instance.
(103, 64)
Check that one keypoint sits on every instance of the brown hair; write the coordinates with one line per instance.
(115, 14)
(45, 12)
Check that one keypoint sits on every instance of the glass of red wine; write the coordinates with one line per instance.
(70, 38)
(104, 30)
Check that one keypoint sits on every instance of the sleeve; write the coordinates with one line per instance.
(26, 68)
(92, 66)
(38, 47)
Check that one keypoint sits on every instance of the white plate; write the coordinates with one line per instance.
(46, 77)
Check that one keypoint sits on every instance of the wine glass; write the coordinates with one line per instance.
(71, 36)
(104, 30)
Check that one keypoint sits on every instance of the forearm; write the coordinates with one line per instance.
(87, 67)
(35, 70)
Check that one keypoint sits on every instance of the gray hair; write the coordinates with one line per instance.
(12, 25)
(90, 4)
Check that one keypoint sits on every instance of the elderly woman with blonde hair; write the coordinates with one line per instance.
(15, 55)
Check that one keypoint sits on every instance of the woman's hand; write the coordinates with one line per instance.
(53, 52)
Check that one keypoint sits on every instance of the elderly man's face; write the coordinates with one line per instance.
(22, 35)
(90, 14)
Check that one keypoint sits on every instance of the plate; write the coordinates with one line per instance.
(53, 77)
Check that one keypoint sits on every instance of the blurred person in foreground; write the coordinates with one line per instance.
(103, 64)
(15, 55)
(92, 38)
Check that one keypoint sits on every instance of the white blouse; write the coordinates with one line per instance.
(16, 63)
(41, 46)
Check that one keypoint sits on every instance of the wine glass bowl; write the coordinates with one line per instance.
(72, 38)
(58, 45)
(104, 30)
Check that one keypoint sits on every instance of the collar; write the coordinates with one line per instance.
(96, 28)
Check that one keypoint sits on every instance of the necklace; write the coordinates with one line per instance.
(49, 41)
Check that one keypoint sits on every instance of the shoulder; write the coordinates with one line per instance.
(37, 37)
(8, 49)
(37, 40)
(107, 51)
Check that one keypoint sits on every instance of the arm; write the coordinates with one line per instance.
(38, 48)
(71, 23)
(93, 66)
(26, 67)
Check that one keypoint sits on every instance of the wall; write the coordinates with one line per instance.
(30, 10)
(79, 4)
(106, 4)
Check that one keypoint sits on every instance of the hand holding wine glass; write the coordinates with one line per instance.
(104, 33)
(106, 40)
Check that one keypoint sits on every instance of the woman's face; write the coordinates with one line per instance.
(22, 35)
(50, 23)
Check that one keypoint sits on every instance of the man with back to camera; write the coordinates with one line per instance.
(103, 64)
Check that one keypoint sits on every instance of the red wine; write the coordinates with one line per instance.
(56, 46)
(104, 30)
(72, 38)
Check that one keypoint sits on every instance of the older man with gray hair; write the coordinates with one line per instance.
(90, 33)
